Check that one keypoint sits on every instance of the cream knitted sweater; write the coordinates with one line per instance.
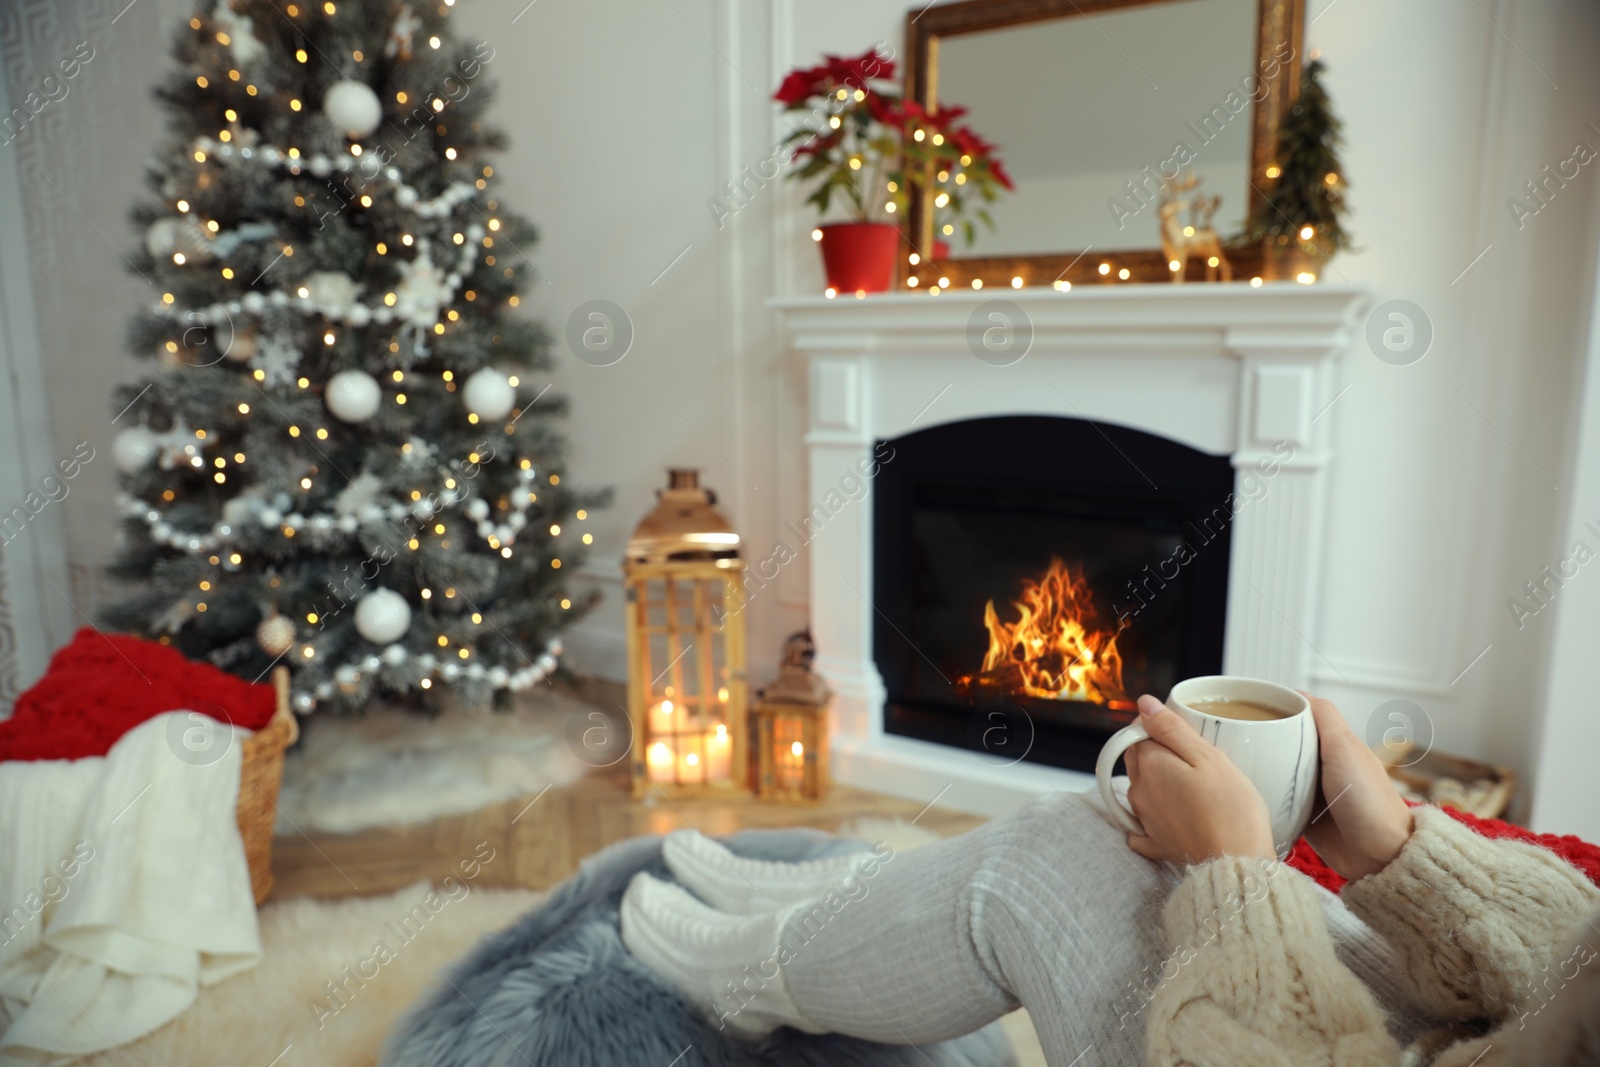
(1500, 941)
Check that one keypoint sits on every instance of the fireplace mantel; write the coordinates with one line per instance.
(1228, 369)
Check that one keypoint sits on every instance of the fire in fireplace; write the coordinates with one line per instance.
(1056, 649)
(1025, 585)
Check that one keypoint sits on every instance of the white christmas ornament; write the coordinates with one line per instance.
(174, 235)
(241, 34)
(275, 635)
(161, 238)
(133, 449)
(383, 616)
(421, 292)
(353, 108)
(241, 346)
(356, 498)
(277, 358)
(406, 25)
(331, 292)
(488, 394)
(241, 508)
(353, 395)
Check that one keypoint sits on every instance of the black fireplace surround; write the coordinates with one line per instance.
(968, 511)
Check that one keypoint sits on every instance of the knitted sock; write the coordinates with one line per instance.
(727, 966)
(1047, 907)
(743, 886)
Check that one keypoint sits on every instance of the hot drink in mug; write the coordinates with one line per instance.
(1266, 729)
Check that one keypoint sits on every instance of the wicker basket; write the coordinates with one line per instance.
(1421, 775)
(260, 774)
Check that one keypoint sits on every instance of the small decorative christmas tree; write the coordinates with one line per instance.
(343, 463)
(1305, 205)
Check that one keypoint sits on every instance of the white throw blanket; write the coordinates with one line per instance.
(123, 888)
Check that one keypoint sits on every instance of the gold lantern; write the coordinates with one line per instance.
(791, 728)
(687, 694)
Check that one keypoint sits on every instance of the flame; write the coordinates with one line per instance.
(1053, 650)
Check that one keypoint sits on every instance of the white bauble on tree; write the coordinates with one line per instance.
(275, 635)
(353, 108)
(353, 395)
(134, 449)
(382, 616)
(172, 234)
(241, 347)
(161, 238)
(331, 292)
(488, 394)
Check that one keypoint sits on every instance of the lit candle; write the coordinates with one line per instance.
(659, 758)
(719, 755)
(791, 768)
(661, 718)
(691, 768)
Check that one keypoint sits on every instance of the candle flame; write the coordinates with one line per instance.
(798, 749)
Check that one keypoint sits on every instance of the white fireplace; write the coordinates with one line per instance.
(1226, 369)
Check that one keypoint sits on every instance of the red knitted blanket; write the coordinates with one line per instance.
(103, 685)
(1579, 853)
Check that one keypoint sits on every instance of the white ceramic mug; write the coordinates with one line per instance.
(1279, 756)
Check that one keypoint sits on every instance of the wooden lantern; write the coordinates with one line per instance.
(791, 729)
(687, 695)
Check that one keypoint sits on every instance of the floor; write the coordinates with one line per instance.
(538, 840)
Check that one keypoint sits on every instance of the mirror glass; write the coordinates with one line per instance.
(1080, 107)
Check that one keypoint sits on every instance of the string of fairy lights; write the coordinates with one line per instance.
(422, 301)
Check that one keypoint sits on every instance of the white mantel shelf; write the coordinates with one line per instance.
(1195, 312)
(1229, 369)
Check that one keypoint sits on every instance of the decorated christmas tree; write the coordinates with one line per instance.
(1305, 204)
(344, 459)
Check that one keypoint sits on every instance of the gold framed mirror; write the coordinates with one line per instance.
(1110, 97)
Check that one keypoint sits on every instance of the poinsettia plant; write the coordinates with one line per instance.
(868, 146)
(952, 164)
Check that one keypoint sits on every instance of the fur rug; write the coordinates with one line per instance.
(389, 767)
(282, 1008)
(559, 987)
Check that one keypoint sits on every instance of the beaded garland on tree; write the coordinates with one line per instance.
(346, 414)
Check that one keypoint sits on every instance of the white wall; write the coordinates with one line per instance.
(78, 166)
(1563, 795)
(625, 118)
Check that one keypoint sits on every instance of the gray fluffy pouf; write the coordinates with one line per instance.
(559, 989)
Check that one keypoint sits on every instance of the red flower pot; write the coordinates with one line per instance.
(859, 256)
(941, 250)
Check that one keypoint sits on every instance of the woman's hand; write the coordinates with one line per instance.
(1194, 803)
(1360, 822)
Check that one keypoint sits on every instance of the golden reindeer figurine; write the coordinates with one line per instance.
(1179, 239)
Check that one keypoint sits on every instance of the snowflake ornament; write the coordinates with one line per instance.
(419, 453)
(359, 495)
(422, 291)
(277, 357)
